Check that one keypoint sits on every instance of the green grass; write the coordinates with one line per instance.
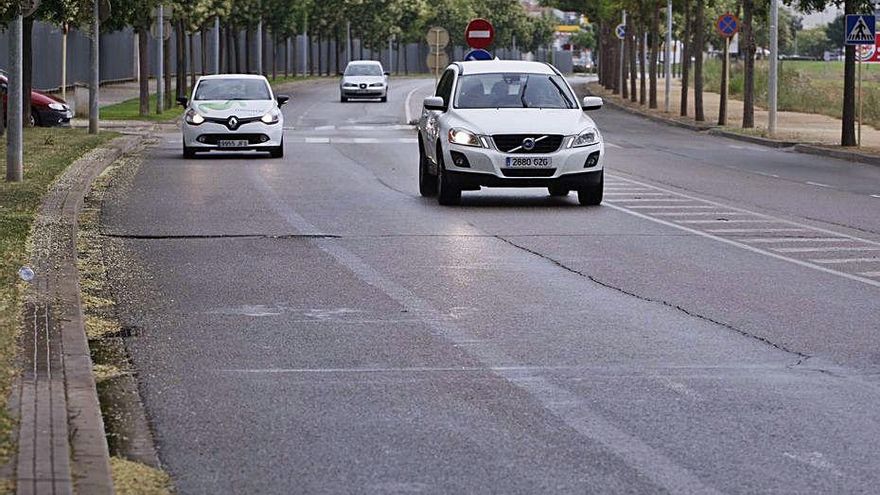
(130, 110)
(47, 153)
(804, 86)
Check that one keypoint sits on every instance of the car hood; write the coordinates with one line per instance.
(363, 79)
(523, 121)
(239, 108)
(40, 98)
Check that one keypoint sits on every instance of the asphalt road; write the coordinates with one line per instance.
(312, 325)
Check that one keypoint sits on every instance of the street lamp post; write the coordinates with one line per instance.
(160, 59)
(14, 156)
(94, 60)
(773, 86)
(668, 55)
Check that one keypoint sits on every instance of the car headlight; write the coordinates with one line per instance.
(272, 117)
(193, 118)
(377, 85)
(58, 106)
(587, 137)
(464, 137)
(350, 85)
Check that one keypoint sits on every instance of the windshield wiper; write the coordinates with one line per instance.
(561, 93)
(522, 95)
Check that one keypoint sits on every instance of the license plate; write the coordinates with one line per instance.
(536, 162)
(232, 143)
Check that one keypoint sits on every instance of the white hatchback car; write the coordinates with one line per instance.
(233, 112)
(363, 79)
(505, 123)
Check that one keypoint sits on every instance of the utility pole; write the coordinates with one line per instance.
(259, 54)
(14, 156)
(306, 42)
(773, 86)
(348, 41)
(94, 61)
(160, 59)
(217, 45)
(668, 56)
(622, 56)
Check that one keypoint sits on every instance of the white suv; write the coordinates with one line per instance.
(508, 124)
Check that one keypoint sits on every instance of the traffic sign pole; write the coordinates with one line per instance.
(725, 83)
(96, 71)
(668, 56)
(773, 86)
(622, 55)
(160, 59)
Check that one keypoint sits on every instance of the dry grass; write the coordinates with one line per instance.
(134, 478)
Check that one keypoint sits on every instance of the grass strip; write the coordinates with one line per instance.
(47, 153)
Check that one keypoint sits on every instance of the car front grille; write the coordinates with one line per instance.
(215, 138)
(528, 172)
(513, 143)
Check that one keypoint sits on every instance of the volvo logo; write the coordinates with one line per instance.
(232, 123)
(528, 144)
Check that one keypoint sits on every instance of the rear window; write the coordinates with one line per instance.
(233, 89)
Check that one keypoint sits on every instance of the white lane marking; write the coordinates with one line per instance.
(826, 249)
(469, 369)
(765, 174)
(575, 411)
(676, 207)
(875, 195)
(616, 192)
(773, 240)
(870, 274)
(407, 105)
(361, 140)
(838, 261)
(352, 140)
(612, 145)
(732, 220)
(325, 128)
(656, 200)
(697, 213)
(322, 140)
(753, 231)
(819, 184)
(753, 249)
(724, 206)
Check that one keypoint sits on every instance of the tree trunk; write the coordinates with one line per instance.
(329, 42)
(235, 49)
(192, 61)
(203, 37)
(336, 50)
(624, 90)
(224, 48)
(168, 69)
(633, 63)
(264, 37)
(848, 127)
(643, 67)
(180, 55)
(699, 45)
(27, 66)
(144, 69)
(747, 43)
(405, 60)
(655, 55)
(686, 58)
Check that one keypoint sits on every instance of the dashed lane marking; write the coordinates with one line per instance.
(826, 249)
(839, 261)
(773, 240)
(754, 231)
(819, 184)
(870, 274)
(698, 213)
(689, 207)
(722, 221)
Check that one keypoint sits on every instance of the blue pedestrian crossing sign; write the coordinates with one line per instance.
(620, 31)
(860, 29)
(478, 54)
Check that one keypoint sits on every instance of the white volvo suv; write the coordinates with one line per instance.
(233, 112)
(505, 123)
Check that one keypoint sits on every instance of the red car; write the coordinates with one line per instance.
(46, 110)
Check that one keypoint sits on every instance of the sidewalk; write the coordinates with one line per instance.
(791, 126)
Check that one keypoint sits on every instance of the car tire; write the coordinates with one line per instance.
(558, 191)
(448, 192)
(592, 195)
(278, 151)
(427, 181)
(385, 99)
(343, 99)
(35, 119)
(188, 152)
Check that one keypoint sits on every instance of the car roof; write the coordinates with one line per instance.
(232, 76)
(364, 62)
(495, 66)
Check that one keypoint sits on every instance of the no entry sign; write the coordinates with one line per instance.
(479, 33)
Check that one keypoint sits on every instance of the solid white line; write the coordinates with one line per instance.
(772, 240)
(875, 195)
(839, 261)
(765, 174)
(697, 213)
(753, 249)
(322, 140)
(827, 249)
(870, 274)
(732, 220)
(658, 200)
(631, 193)
(819, 184)
(651, 207)
(752, 231)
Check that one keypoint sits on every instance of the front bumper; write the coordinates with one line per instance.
(52, 118)
(364, 93)
(570, 168)
(260, 136)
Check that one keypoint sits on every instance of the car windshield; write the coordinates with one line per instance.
(233, 89)
(363, 70)
(513, 91)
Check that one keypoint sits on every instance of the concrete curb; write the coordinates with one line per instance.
(67, 451)
(806, 148)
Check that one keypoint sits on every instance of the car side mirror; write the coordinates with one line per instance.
(592, 103)
(282, 99)
(182, 101)
(434, 103)
(387, 74)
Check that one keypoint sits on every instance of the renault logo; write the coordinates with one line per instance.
(528, 144)
(232, 123)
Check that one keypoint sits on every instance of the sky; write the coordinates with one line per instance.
(813, 20)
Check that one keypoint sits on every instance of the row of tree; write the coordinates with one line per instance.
(694, 26)
(374, 22)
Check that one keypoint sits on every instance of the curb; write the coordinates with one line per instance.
(62, 441)
(805, 148)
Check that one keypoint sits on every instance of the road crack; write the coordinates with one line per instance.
(801, 356)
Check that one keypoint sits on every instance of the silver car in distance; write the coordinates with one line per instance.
(363, 79)
(233, 112)
(501, 123)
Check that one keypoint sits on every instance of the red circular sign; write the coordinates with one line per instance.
(479, 33)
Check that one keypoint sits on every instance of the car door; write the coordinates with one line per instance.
(430, 125)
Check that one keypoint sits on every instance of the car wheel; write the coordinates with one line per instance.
(448, 192)
(558, 191)
(592, 195)
(427, 181)
(278, 151)
(385, 98)
(343, 99)
(188, 152)
(35, 119)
